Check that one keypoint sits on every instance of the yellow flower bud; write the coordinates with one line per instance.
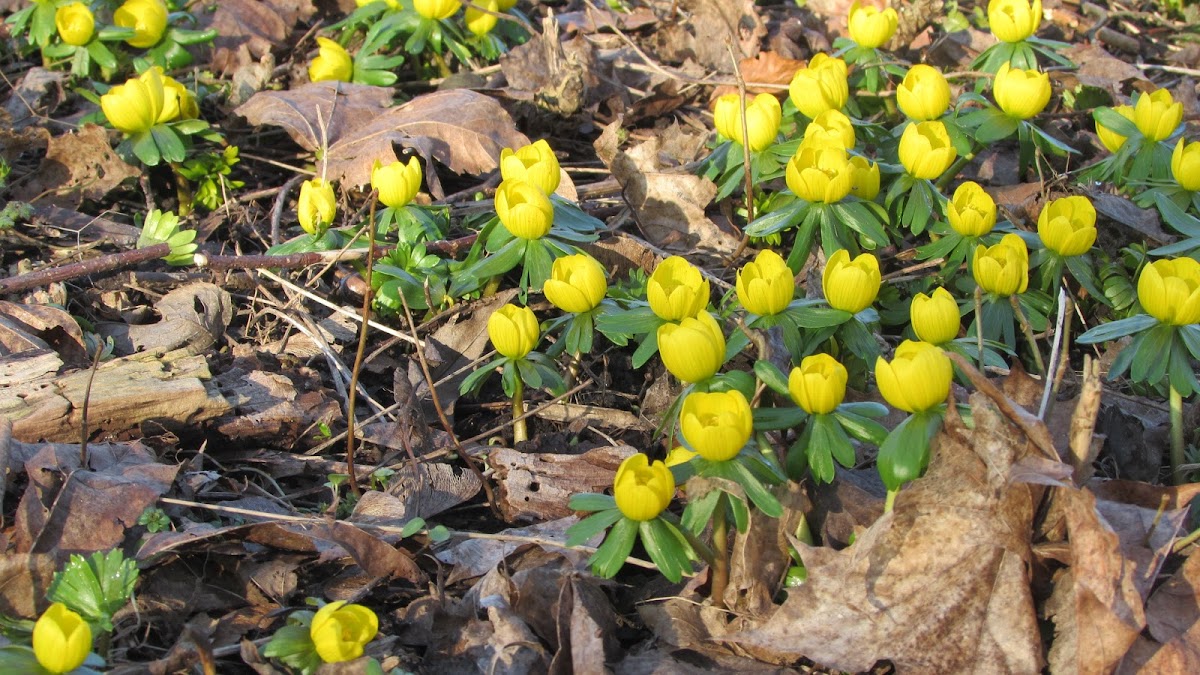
(316, 207)
(917, 379)
(62, 640)
(340, 631)
(1067, 225)
(765, 286)
(831, 127)
(332, 62)
(513, 330)
(1157, 114)
(1109, 138)
(524, 210)
(1002, 269)
(819, 384)
(693, 349)
(642, 490)
(135, 107)
(1014, 20)
(972, 211)
(864, 182)
(716, 425)
(481, 23)
(820, 173)
(820, 86)
(436, 10)
(75, 23)
(1185, 165)
(926, 150)
(397, 182)
(763, 116)
(679, 455)
(147, 18)
(676, 290)
(1169, 291)
(178, 102)
(851, 285)
(576, 283)
(535, 164)
(935, 319)
(869, 26)
(924, 94)
(1021, 94)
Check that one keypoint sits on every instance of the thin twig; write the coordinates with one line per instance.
(362, 348)
(83, 413)
(83, 268)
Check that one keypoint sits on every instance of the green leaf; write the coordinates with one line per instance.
(995, 127)
(610, 557)
(1151, 358)
(1115, 122)
(475, 380)
(1190, 335)
(859, 340)
(1117, 329)
(816, 317)
(859, 426)
(636, 320)
(538, 261)
(829, 434)
(145, 149)
(95, 587)
(904, 454)
(584, 530)
(698, 512)
(412, 527)
(775, 419)
(498, 263)
(170, 145)
(590, 501)
(772, 376)
(777, 221)
(439, 534)
(662, 544)
(756, 491)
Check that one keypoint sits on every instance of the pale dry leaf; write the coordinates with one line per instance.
(317, 111)
(78, 166)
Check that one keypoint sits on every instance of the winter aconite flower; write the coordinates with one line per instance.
(332, 62)
(1021, 94)
(864, 182)
(917, 379)
(481, 23)
(831, 127)
(693, 349)
(62, 640)
(926, 150)
(1002, 269)
(147, 18)
(820, 173)
(178, 102)
(851, 285)
(1014, 20)
(1169, 290)
(924, 93)
(316, 206)
(1157, 114)
(436, 10)
(1109, 138)
(1185, 165)
(340, 631)
(676, 290)
(820, 86)
(513, 331)
(869, 26)
(643, 489)
(971, 211)
(763, 115)
(717, 425)
(1067, 225)
(766, 285)
(75, 23)
(397, 182)
(576, 283)
(524, 210)
(819, 384)
(535, 164)
(134, 107)
(935, 318)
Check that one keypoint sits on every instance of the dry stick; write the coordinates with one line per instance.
(1027, 330)
(1056, 351)
(1018, 417)
(749, 187)
(1065, 329)
(105, 263)
(362, 348)
(83, 413)
(294, 260)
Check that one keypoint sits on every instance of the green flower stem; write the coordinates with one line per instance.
(957, 166)
(1177, 445)
(979, 323)
(1027, 330)
(520, 431)
(720, 562)
(890, 502)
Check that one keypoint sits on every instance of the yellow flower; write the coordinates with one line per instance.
(134, 107)
(1067, 225)
(436, 9)
(1014, 20)
(763, 115)
(397, 182)
(1185, 165)
(332, 62)
(676, 290)
(870, 27)
(831, 127)
(1002, 269)
(716, 425)
(1169, 291)
(820, 173)
(316, 207)
(524, 209)
(1157, 114)
(935, 319)
(75, 23)
(820, 86)
(864, 182)
(62, 640)
(178, 102)
(535, 164)
(693, 349)
(972, 211)
(481, 23)
(917, 379)
(1021, 94)
(513, 330)
(679, 455)
(765, 286)
(924, 93)
(819, 384)
(851, 285)
(576, 283)
(926, 150)
(147, 18)
(642, 490)
(340, 631)
(1109, 138)
(506, 5)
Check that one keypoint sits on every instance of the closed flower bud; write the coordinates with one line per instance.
(1169, 291)
(524, 210)
(340, 631)
(135, 107)
(1021, 94)
(831, 127)
(693, 349)
(535, 164)
(765, 286)
(676, 290)
(178, 102)
(147, 18)
(972, 211)
(864, 182)
(1185, 165)
(1014, 20)
(819, 384)
(869, 26)
(1157, 114)
(679, 455)
(397, 182)
(436, 10)
(316, 207)
(935, 319)
(62, 640)
(481, 23)
(1002, 269)
(332, 62)
(820, 86)
(917, 379)
(925, 149)
(763, 115)
(820, 173)
(851, 285)
(1067, 225)
(1109, 138)
(513, 331)
(716, 425)
(643, 490)
(924, 93)
(75, 23)
(576, 283)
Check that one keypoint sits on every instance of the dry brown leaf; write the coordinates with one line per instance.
(247, 30)
(702, 29)
(192, 316)
(763, 68)
(24, 580)
(474, 557)
(434, 488)
(317, 112)
(79, 165)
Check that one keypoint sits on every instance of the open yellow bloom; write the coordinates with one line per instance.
(676, 290)
(1021, 94)
(1169, 291)
(925, 149)
(62, 640)
(935, 319)
(831, 127)
(436, 10)
(135, 107)
(917, 379)
(864, 182)
(766, 285)
(147, 18)
(693, 349)
(75, 23)
(869, 26)
(535, 164)
(924, 94)
(1002, 269)
(851, 285)
(513, 331)
(1109, 138)
(178, 102)
(332, 62)
(1185, 165)
(819, 384)
(820, 86)
(397, 182)
(716, 425)
(820, 173)
(763, 115)
(1157, 114)
(576, 283)
(643, 490)
(316, 207)
(340, 631)
(524, 210)
(1067, 225)
(481, 23)
(1014, 20)
(972, 211)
